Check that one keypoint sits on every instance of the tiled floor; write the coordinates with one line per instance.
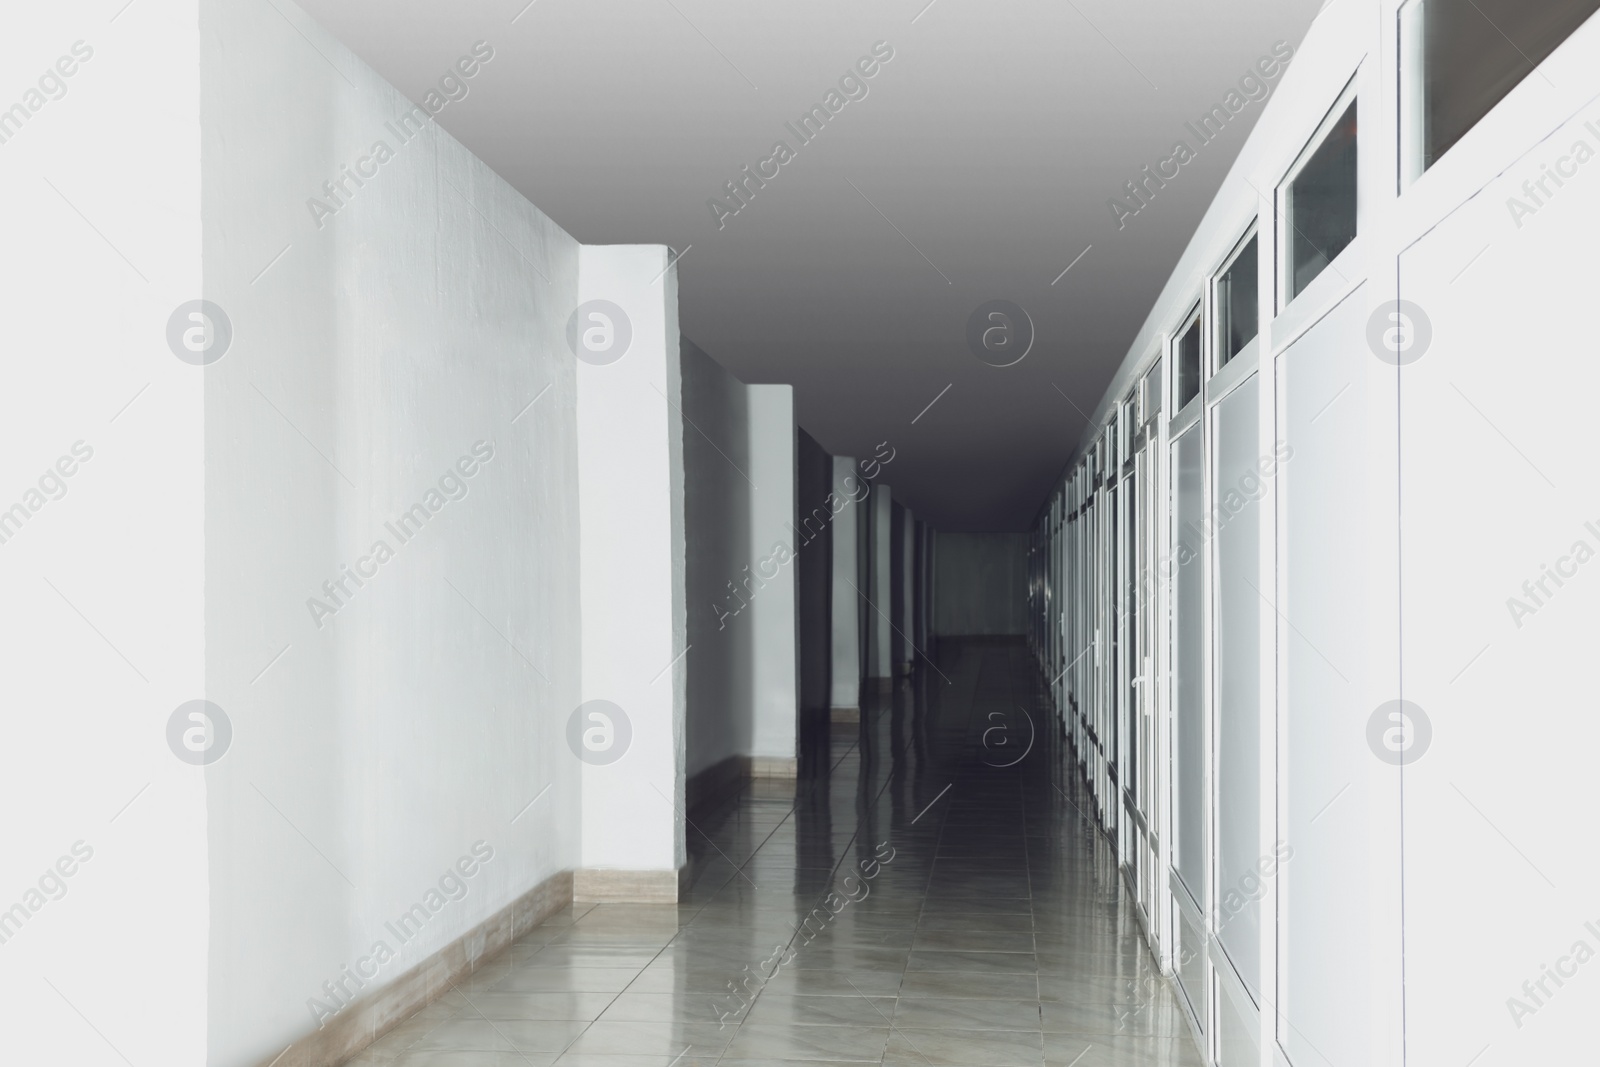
(974, 919)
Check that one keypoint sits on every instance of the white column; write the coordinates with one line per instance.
(847, 585)
(879, 648)
(931, 540)
(102, 553)
(775, 682)
(908, 599)
(630, 475)
(924, 587)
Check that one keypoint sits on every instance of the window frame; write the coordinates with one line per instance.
(1150, 384)
(1411, 96)
(1195, 316)
(1218, 342)
(1283, 260)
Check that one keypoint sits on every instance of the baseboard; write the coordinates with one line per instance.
(372, 1016)
(772, 766)
(846, 715)
(611, 885)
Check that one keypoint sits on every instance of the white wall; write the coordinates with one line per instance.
(981, 580)
(848, 584)
(103, 584)
(421, 318)
(635, 626)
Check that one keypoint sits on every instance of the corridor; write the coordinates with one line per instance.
(649, 533)
(976, 916)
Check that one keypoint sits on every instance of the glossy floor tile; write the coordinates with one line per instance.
(916, 897)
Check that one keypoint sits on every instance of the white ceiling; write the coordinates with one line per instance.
(978, 166)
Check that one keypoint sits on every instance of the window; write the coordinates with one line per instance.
(1152, 391)
(1320, 203)
(1237, 304)
(1186, 353)
(1461, 59)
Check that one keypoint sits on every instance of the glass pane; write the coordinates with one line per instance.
(1189, 364)
(1109, 731)
(1240, 485)
(1191, 970)
(1188, 689)
(1237, 304)
(1130, 650)
(1473, 54)
(1322, 204)
(1152, 391)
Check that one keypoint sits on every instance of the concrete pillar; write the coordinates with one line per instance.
(630, 474)
(105, 588)
(904, 651)
(879, 649)
(920, 632)
(774, 675)
(848, 586)
(925, 576)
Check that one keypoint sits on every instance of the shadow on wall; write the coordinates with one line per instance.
(717, 502)
(814, 649)
(980, 584)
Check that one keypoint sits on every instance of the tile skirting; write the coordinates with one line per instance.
(611, 885)
(772, 767)
(369, 1018)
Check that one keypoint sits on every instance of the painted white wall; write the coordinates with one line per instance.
(981, 580)
(376, 361)
(880, 655)
(775, 681)
(630, 468)
(847, 585)
(103, 584)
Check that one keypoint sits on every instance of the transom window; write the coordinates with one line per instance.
(1186, 358)
(1460, 58)
(1319, 201)
(1237, 301)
